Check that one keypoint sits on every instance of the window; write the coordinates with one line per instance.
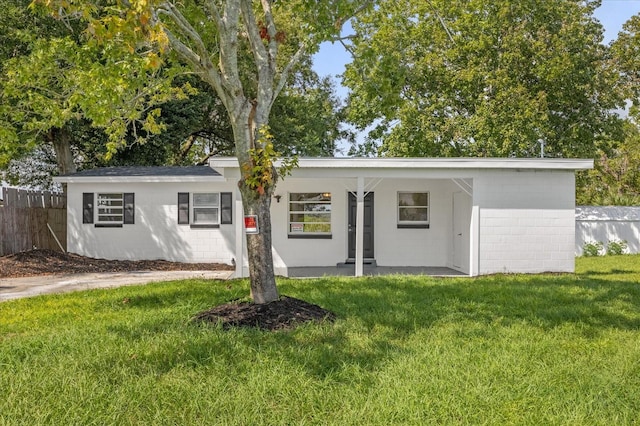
(110, 208)
(206, 208)
(413, 209)
(310, 215)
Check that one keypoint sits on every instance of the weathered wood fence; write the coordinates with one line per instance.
(30, 219)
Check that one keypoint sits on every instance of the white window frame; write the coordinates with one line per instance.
(214, 206)
(105, 207)
(427, 207)
(297, 228)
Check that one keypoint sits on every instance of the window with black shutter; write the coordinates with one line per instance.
(226, 209)
(129, 208)
(183, 208)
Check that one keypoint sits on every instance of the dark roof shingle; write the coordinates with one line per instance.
(148, 171)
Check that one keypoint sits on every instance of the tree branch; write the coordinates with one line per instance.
(264, 60)
(185, 28)
(228, 36)
(200, 59)
(214, 12)
(272, 31)
(284, 75)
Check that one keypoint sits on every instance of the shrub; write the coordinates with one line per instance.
(592, 248)
(616, 247)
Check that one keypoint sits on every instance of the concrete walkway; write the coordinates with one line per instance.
(372, 270)
(15, 288)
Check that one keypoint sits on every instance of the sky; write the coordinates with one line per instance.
(331, 58)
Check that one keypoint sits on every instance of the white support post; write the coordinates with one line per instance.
(239, 236)
(474, 242)
(360, 227)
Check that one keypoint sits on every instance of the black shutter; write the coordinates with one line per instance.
(129, 207)
(183, 208)
(87, 207)
(226, 208)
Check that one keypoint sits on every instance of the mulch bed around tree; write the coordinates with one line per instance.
(283, 314)
(47, 262)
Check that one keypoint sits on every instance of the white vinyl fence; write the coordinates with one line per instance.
(604, 224)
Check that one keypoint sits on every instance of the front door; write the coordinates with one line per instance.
(368, 226)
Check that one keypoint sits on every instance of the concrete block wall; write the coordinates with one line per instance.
(414, 247)
(393, 246)
(526, 221)
(156, 233)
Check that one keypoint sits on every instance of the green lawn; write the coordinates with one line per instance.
(546, 349)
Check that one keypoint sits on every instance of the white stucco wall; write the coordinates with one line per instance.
(514, 221)
(156, 233)
(393, 246)
(526, 221)
(414, 247)
(607, 223)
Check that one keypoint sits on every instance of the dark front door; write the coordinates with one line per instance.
(368, 226)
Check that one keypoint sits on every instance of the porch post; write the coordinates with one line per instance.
(360, 227)
(474, 241)
(239, 236)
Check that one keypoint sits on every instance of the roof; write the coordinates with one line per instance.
(428, 163)
(426, 168)
(143, 174)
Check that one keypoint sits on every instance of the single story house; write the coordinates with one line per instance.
(473, 215)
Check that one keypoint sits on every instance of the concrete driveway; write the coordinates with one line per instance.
(15, 288)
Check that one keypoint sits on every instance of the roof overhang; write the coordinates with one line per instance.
(404, 167)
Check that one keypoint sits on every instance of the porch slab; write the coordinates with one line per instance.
(348, 270)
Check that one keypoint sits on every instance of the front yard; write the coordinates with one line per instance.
(546, 349)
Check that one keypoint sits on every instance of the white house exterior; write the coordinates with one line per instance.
(475, 216)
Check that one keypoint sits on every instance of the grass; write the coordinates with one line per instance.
(515, 349)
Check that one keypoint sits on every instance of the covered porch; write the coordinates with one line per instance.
(348, 270)
(418, 223)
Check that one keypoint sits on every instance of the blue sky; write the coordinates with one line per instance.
(612, 14)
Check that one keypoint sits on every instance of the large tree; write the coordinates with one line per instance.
(626, 56)
(615, 179)
(482, 78)
(210, 37)
(55, 83)
(40, 80)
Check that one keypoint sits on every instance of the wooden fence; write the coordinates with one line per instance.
(30, 219)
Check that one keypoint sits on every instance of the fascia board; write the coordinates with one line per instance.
(221, 164)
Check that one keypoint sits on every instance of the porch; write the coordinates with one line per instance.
(372, 270)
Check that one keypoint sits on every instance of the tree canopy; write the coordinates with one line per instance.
(80, 98)
(478, 78)
(615, 180)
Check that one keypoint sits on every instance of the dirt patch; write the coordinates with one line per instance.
(48, 262)
(283, 314)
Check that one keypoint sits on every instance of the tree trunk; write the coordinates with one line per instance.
(60, 138)
(262, 276)
(263, 282)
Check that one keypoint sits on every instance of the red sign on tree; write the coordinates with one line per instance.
(251, 224)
